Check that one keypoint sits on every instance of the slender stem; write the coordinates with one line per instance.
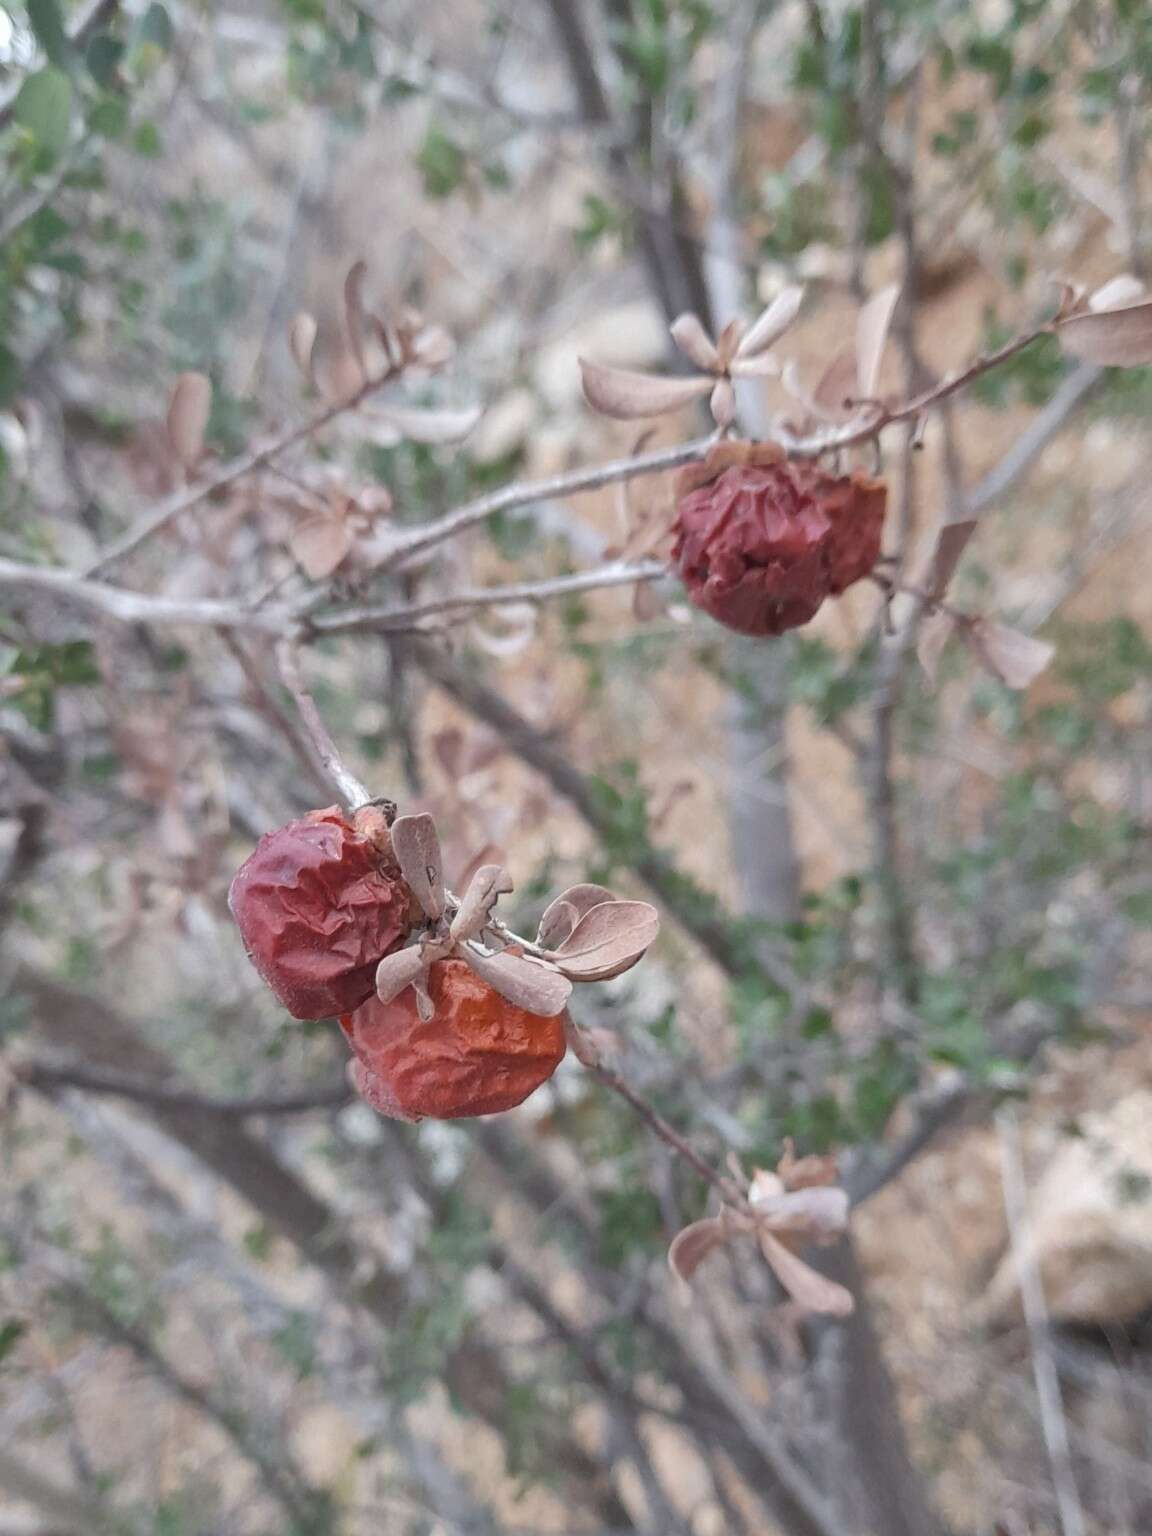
(159, 517)
(380, 616)
(1053, 1422)
(351, 790)
(589, 1056)
(523, 493)
(47, 1076)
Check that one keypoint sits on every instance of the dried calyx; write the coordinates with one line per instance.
(587, 934)
(799, 1205)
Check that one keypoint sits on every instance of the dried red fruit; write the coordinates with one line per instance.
(476, 1055)
(319, 903)
(761, 544)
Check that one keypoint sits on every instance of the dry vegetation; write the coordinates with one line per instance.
(224, 1314)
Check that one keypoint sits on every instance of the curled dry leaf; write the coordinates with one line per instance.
(1015, 658)
(694, 341)
(188, 413)
(722, 403)
(692, 1246)
(935, 632)
(417, 850)
(772, 324)
(763, 366)
(519, 626)
(485, 888)
(397, 971)
(817, 1214)
(355, 316)
(806, 1172)
(1109, 337)
(872, 325)
(627, 396)
(319, 545)
(1118, 293)
(420, 426)
(810, 1290)
(608, 940)
(562, 914)
(302, 342)
(523, 982)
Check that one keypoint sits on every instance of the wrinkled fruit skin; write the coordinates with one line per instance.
(761, 546)
(318, 908)
(477, 1055)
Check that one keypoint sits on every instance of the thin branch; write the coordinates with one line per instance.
(303, 749)
(698, 912)
(1052, 1420)
(47, 1075)
(380, 616)
(523, 493)
(590, 1058)
(139, 607)
(159, 517)
(349, 787)
(882, 415)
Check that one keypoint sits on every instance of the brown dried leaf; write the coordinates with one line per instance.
(1111, 338)
(772, 324)
(935, 632)
(188, 413)
(562, 914)
(694, 341)
(431, 347)
(525, 983)
(520, 620)
(809, 1172)
(420, 426)
(397, 971)
(355, 316)
(301, 343)
(485, 888)
(809, 1289)
(626, 396)
(1118, 293)
(816, 1214)
(763, 366)
(417, 850)
(608, 940)
(691, 1246)
(425, 1007)
(723, 403)
(872, 324)
(836, 386)
(320, 544)
(1015, 658)
(951, 542)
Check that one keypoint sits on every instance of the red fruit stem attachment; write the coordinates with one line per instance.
(347, 785)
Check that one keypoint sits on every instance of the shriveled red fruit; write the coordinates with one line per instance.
(761, 544)
(319, 903)
(477, 1055)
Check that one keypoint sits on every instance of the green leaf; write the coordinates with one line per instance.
(441, 162)
(102, 56)
(12, 1331)
(146, 140)
(156, 28)
(48, 26)
(109, 117)
(44, 108)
